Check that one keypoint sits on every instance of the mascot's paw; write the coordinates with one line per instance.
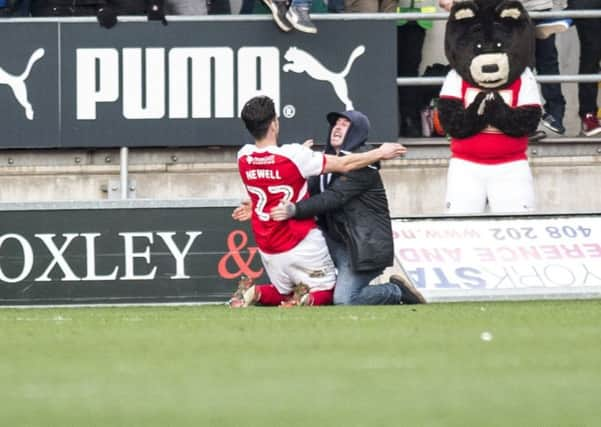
(498, 100)
(501, 115)
(495, 106)
(477, 108)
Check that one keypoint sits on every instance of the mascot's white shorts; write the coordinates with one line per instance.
(507, 187)
(308, 262)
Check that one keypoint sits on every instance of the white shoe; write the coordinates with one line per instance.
(300, 19)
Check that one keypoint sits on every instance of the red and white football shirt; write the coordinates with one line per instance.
(274, 174)
(491, 146)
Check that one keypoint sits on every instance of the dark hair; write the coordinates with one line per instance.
(257, 115)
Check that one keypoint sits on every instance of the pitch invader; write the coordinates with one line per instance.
(293, 252)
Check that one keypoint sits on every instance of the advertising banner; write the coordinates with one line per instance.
(92, 256)
(75, 84)
(196, 253)
(491, 258)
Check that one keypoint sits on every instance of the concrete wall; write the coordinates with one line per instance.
(415, 186)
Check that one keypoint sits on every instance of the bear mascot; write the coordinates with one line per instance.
(489, 104)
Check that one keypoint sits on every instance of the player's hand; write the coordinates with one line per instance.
(308, 143)
(283, 211)
(390, 150)
(242, 212)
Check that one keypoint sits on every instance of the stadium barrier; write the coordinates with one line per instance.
(121, 252)
(191, 251)
(501, 257)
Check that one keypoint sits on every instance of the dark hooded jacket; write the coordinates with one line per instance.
(352, 208)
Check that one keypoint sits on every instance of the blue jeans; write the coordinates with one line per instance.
(249, 5)
(352, 287)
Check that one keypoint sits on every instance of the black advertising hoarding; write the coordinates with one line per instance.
(29, 86)
(193, 252)
(74, 84)
(123, 255)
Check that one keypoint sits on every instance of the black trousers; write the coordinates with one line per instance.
(547, 62)
(410, 41)
(589, 33)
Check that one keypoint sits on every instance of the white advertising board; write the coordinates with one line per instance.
(489, 258)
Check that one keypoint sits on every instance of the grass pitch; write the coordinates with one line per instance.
(331, 366)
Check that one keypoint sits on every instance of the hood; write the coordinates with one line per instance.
(356, 134)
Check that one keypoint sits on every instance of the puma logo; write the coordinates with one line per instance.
(17, 83)
(303, 62)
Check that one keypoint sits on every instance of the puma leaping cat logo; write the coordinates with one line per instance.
(303, 62)
(17, 83)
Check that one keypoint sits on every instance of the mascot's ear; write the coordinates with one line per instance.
(512, 10)
(463, 9)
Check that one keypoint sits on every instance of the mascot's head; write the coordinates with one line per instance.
(489, 42)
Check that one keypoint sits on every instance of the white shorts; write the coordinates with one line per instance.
(309, 263)
(507, 187)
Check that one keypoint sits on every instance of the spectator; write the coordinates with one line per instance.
(335, 6)
(446, 4)
(294, 252)
(547, 63)
(14, 8)
(353, 213)
(105, 10)
(370, 6)
(408, 60)
(295, 15)
(218, 7)
(410, 41)
(86, 7)
(186, 7)
(589, 30)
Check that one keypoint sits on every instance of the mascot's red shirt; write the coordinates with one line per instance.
(491, 146)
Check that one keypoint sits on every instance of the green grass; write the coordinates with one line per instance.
(332, 366)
